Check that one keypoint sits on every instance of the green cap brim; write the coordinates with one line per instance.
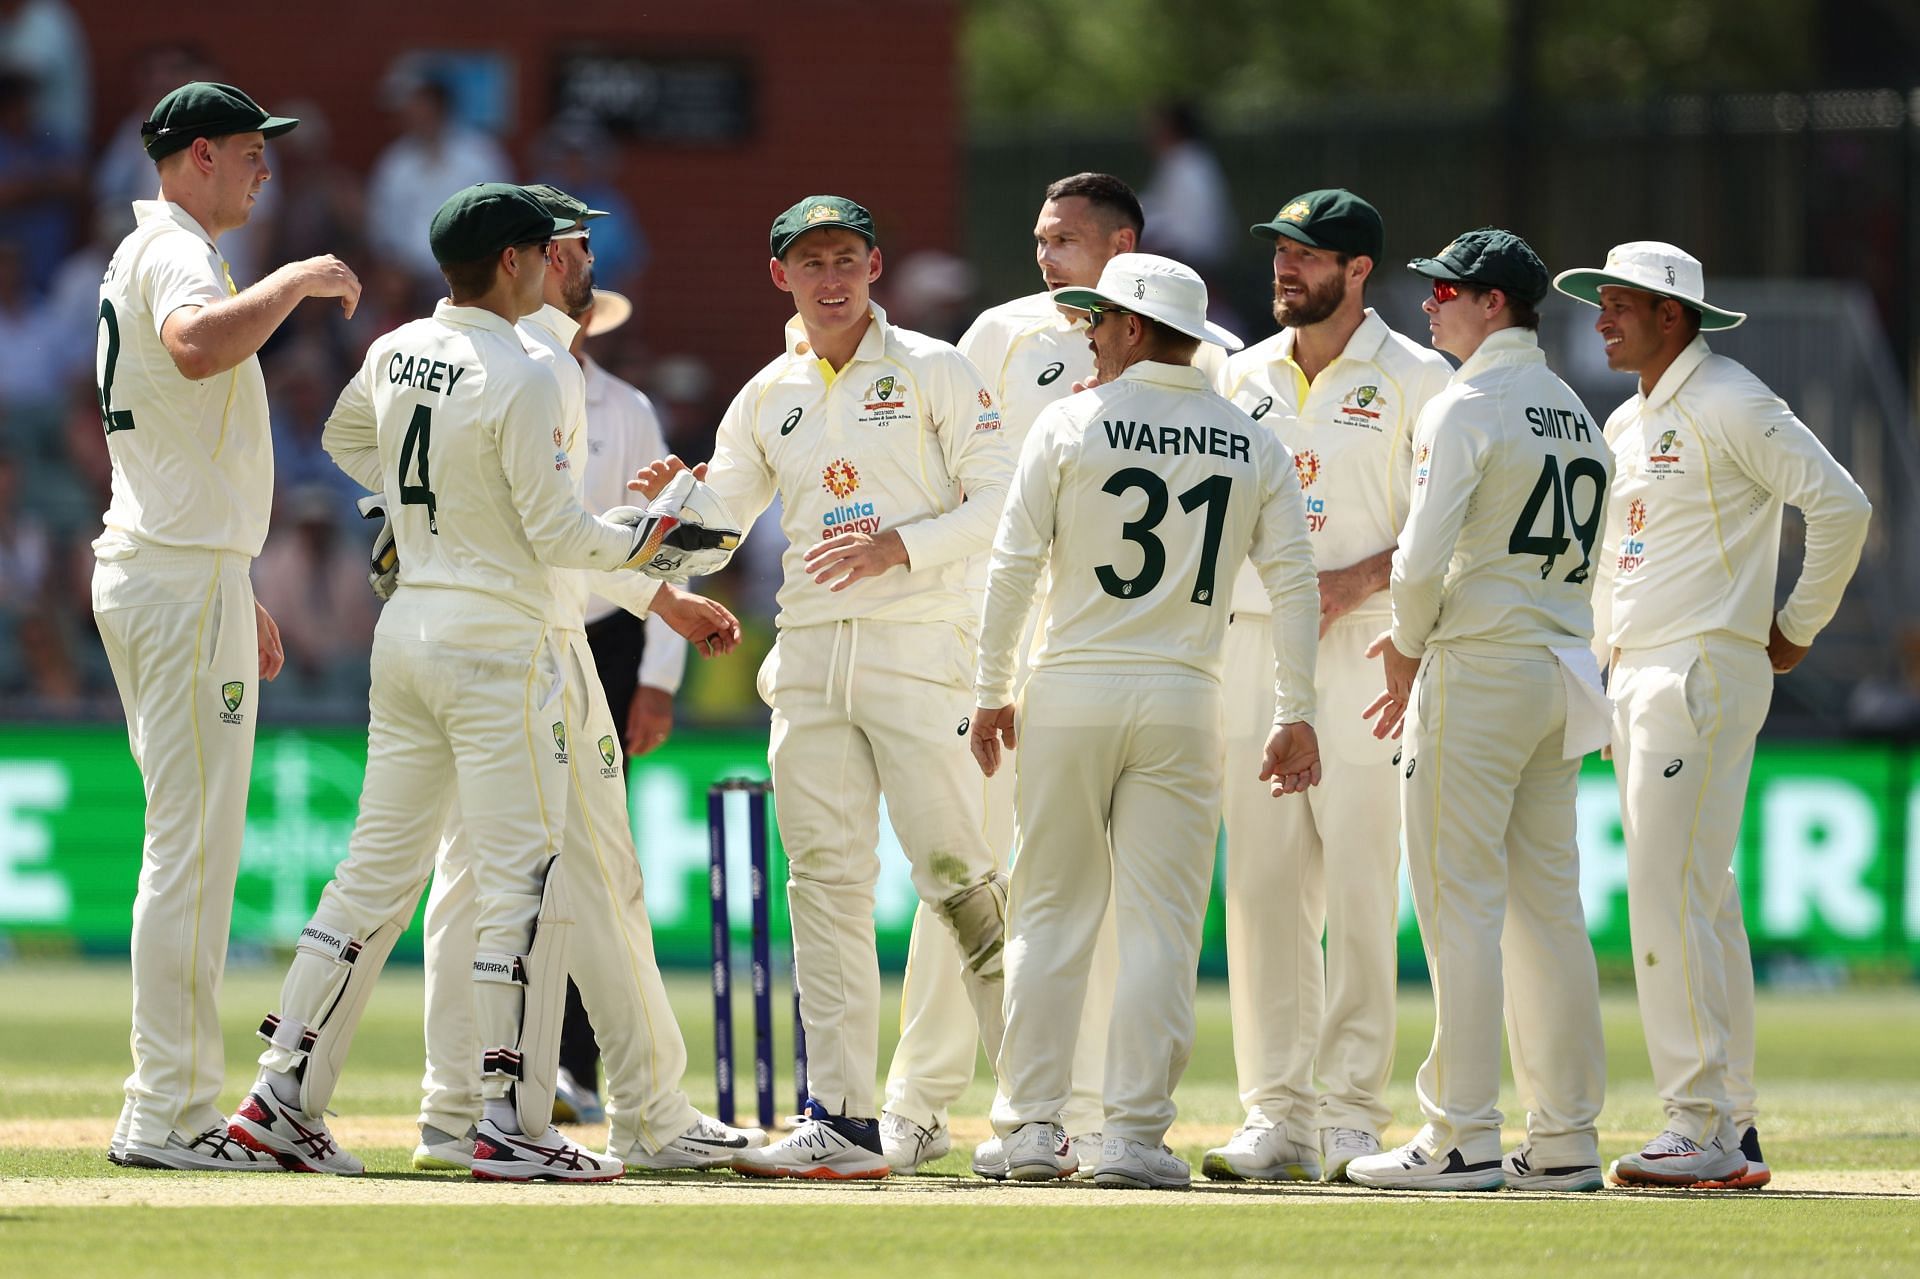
(275, 125)
(1081, 299)
(1435, 269)
(1585, 286)
(780, 251)
(1274, 230)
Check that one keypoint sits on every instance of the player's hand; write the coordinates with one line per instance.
(1783, 652)
(649, 480)
(992, 730)
(328, 277)
(1086, 383)
(1391, 705)
(272, 655)
(1341, 591)
(706, 624)
(1392, 712)
(852, 556)
(649, 719)
(1292, 760)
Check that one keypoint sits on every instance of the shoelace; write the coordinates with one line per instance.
(1673, 1143)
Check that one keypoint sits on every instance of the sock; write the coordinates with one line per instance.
(285, 1088)
(501, 1114)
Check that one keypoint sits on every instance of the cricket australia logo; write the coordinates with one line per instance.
(560, 740)
(1664, 459)
(232, 693)
(1298, 211)
(608, 755)
(840, 478)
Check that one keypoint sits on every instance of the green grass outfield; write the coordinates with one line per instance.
(1840, 1089)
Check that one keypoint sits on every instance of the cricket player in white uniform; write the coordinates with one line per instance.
(1313, 1036)
(653, 1124)
(185, 413)
(1488, 665)
(1704, 457)
(887, 454)
(1140, 497)
(468, 699)
(1031, 352)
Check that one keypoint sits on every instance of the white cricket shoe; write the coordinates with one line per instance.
(499, 1155)
(707, 1144)
(215, 1150)
(1523, 1174)
(1040, 1152)
(441, 1151)
(990, 1159)
(1757, 1173)
(1261, 1153)
(1408, 1169)
(1341, 1146)
(1134, 1165)
(301, 1142)
(1672, 1159)
(823, 1147)
(1086, 1150)
(908, 1146)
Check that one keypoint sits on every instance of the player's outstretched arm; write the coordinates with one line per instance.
(703, 622)
(207, 340)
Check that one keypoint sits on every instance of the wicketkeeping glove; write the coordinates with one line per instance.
(685, 532)
(383, 564)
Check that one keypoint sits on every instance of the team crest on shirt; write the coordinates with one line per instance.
(1306, 464)
(232, 693)
(1361, 406)
(1663, 459)
(607, 757)
(560, 740)
(885, 401)
(1633, 548)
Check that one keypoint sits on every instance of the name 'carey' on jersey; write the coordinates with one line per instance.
(1144, 437)
(428, 375)
(1558, 424)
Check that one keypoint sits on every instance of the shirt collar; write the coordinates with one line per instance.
(872, 343)
(1503, 346)
(551, 319)
(472, 317)
(1691, 357)
(1363, 345)
(1161, 374)
(145, 211)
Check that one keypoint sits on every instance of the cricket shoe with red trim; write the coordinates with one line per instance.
(824, 1147)
(1673, 1159)
(499, 1155)
(299, 1141)
(215, 1150)
(1757, 1173)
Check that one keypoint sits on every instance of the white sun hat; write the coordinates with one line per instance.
(1656, 268)
(1156, 287)
(610, 311)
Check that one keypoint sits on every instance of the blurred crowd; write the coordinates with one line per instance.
(66, 190)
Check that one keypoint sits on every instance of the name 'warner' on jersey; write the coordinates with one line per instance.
(891, 441)
(463, 431)
(192, 460)
(1143, 496)
(1510, 477)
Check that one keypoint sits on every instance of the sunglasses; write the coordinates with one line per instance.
(1095, 312)
(1445, 291)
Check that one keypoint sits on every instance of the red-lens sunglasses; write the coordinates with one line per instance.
(1445, 291)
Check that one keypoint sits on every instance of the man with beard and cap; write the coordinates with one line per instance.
(1313, 1036)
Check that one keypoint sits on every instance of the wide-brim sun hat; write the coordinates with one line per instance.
(610, 311)
(1652, 267)
(1156, 287)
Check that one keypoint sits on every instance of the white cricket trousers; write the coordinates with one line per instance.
(610, 958)
(1489, 809)
(178, 627)
(481, 722)
(1686, 716)
(863, 709)
(1119, 794)
(1312, 1036)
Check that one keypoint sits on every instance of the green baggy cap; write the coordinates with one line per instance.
(205, 110)
(1334, 219)
(1491, 258)
(561, 205)
(483, 219)
(818, 211)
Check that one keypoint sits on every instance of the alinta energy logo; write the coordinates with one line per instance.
(840, 477)
(1307, 464)
(1636, 516)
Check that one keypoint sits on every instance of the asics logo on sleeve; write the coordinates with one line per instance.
(793, 420)
(1051, 374)
(1673, 768)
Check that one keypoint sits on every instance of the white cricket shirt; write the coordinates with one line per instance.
(463, 431)
(192, 461)
(1140, 497)
(1351, 435)
(1702, 466)
(894, 440)
(1509, 494)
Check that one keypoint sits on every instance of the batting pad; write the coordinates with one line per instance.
(531, 1065)
(326, 992)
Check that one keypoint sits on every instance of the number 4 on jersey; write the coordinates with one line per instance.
(419, 435)
(1560, 498)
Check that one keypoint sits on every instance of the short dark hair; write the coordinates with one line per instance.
(1106, 193)
(1168, 340)
(471, 278)
(1525, 314)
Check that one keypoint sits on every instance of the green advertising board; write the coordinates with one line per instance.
(1829, 862)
